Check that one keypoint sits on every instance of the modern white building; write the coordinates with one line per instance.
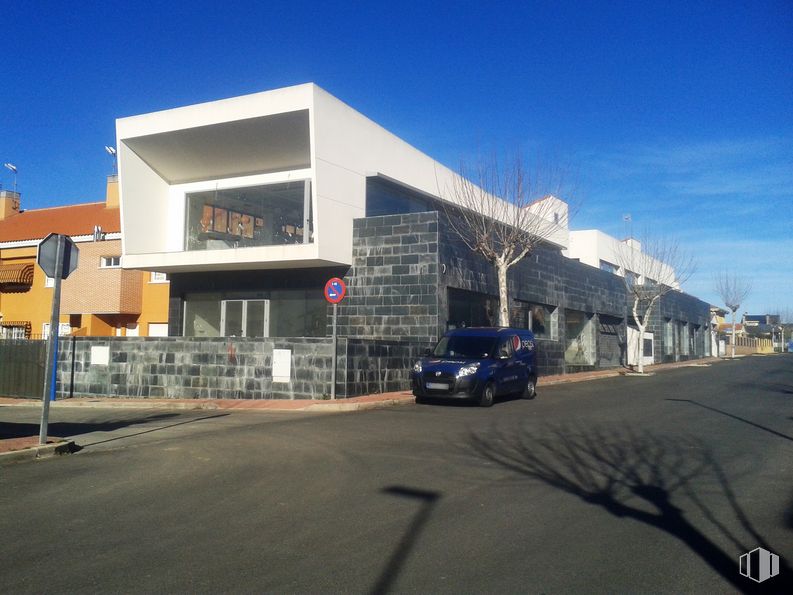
(619, 257)
(248, 204)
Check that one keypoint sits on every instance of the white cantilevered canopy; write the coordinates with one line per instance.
(264, 144)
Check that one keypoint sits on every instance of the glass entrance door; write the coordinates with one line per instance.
(245, 318)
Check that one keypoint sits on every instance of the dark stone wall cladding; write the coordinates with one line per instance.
(175, 367)
(397, 306)
(545, 277)
(393, 282)
(681, 307)
(377, 366)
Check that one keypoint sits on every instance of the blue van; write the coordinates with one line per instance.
(479, 364)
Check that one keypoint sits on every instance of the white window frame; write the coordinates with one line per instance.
(64, 329)
(245, 303)
(108, 262)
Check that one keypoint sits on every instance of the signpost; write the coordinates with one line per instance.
(335, 290)
(57, 257)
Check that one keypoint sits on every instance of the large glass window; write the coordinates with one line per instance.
(387, 198)
(609, 267)
(269, 215)
(287, 313)
(468, 308)
(684, 338)
(579, 338)
(669, 337)
(540, 318)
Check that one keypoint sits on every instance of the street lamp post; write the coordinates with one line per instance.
(12, 168)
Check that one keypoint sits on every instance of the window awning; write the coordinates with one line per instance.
(23, 325)
(16, 277)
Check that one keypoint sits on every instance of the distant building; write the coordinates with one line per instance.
(99, 298)
(619, 257)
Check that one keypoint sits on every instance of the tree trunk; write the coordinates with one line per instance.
(641, 349)
(503, 294)
(642, 325)
(732, 349)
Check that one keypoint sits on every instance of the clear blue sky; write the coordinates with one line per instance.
(680, 113)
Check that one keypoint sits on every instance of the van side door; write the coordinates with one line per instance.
(507, 371)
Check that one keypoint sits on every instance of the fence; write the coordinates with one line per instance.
(22, 364)
(749, 345)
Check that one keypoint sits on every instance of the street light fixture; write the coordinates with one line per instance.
(112, 152)
(13, 168)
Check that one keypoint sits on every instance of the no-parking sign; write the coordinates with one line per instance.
(335, 290)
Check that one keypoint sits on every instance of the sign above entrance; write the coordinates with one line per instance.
(335, 290)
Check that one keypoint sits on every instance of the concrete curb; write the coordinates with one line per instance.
(337, 407)
(37, 452)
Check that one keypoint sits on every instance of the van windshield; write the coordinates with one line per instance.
(465, 347)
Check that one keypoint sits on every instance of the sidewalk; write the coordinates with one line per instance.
(375, 401)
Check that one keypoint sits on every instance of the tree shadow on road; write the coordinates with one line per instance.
(735, 417)
(636, 476)
(76, 429)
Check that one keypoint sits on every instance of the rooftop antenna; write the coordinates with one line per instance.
(112, 152)
(13, 168)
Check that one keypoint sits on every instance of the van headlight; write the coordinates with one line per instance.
(417, 367)
(468, 370)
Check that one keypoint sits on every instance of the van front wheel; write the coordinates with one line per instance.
(531, 389)
(488, 395)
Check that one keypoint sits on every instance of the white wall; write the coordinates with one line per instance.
(345, 148)
(590, 246)
(144, 198)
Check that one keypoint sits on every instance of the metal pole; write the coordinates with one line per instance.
(52, 339)
(333, 372)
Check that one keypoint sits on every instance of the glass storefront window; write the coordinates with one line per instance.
(270, 215)
(202, 317)
(669, 337)
(468, 308)
(579, 338)
(287, 313)
(540, 318)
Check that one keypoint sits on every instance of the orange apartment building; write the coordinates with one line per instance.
(99, 298)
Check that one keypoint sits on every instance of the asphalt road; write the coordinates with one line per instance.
(653, 484)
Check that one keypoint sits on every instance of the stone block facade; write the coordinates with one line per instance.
(681, 318)
(393, 282)
(193, 368)
(403, 271)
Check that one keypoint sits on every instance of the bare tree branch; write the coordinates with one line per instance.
(650, 269)
(733, 289)
(503, 210)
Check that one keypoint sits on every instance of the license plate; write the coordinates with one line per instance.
(437, 386)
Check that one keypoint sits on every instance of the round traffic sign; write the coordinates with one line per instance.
(335, 290)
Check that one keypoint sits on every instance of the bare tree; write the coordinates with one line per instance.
(503, 211)
(733, 289)
(651, 268)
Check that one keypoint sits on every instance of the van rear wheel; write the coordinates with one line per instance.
(531, 389)
(488, 395)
